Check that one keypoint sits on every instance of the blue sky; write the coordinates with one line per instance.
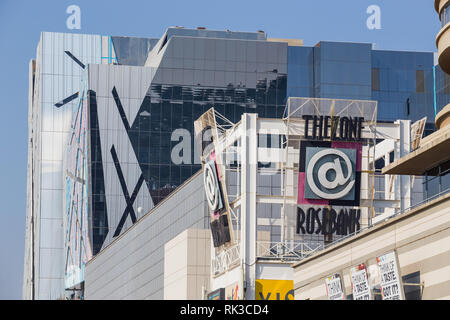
(405, 25)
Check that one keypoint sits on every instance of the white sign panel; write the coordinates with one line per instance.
(360, 283)
(390, 281)
(334, 287)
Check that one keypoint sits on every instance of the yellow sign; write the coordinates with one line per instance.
(274, 289)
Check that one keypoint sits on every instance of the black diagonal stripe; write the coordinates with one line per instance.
(66, 100)
(124, 190)
(75, 59)
(119, 172)
(120, 109)
(134, 195)
(129, 209)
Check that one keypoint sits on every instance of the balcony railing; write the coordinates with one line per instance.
(435, 196)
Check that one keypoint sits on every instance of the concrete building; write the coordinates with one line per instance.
(443, 37)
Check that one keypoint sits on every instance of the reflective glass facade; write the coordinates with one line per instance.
(405, 84)
(146, 114)
(442, 87)
(233, 76)
(55, 84)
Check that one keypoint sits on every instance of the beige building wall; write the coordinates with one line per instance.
(290, 42)
(187, 262)
(421, 239)
(443, 38)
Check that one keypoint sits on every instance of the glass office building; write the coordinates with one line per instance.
(406, 85)
(142, 114)
(139, 99)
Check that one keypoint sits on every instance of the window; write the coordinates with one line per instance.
(446, 84)
(445, 15)
(420, 81)
(412, 286)
(377, 293)
(375, 79)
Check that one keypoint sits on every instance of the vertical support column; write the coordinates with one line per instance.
(249, 166)
(388, 194)
(402, 148)
(365, 185)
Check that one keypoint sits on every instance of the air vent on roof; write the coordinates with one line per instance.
(201, 28)
(261, 31)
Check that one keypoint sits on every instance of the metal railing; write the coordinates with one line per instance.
(293, 250)
(226, 260)
(442, 193)
(285, 251)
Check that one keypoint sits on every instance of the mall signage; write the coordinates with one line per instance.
(214, 184)
(327, 221)
(329, 179)
(212, 187)
(214, 197)
(334, 128)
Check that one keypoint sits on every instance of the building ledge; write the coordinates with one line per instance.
(428, 156)
(364, 233)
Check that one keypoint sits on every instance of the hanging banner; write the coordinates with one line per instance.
(390, 279)
(335, 289)
(360, 283)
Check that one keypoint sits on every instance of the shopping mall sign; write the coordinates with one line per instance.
(331, 147)
(213, 180)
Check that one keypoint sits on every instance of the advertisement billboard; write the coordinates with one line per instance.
(335, 290)
(391, 288)
(360, 283)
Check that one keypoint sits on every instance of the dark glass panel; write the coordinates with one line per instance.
(187, 93)
(420, 81)
(177, 111)
(166, 92)
(176, 93)
(166, 116)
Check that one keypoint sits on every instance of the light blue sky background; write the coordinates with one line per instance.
(406, 25)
